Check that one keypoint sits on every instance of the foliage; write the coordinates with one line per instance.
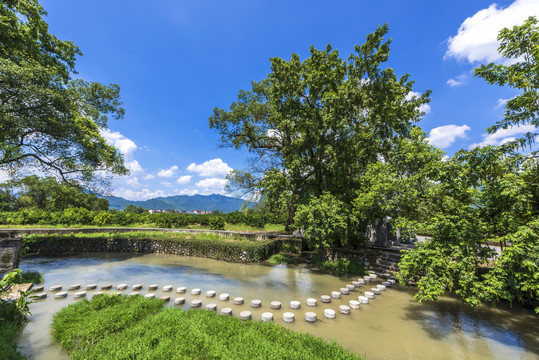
(16, 311)
(339, 266)
(49, 121)
(88, 331)
(217, 223)
(8, 341)
(286, 259)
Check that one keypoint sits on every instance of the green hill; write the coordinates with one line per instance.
(181, 202)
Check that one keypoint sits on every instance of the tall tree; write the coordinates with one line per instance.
(50, 122)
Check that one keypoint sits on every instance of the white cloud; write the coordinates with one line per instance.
(149, 177)
(132, 181)
(212, 186)
(167, 184)
(424, 108)
(184, 179)
(167, 173)
(459, 80)
(501, 103)
(503, 136)
(190, 192)
(444, 136)
(134, 166)
(143, 194)
(476, 40)
(213, 168)
(126, 146)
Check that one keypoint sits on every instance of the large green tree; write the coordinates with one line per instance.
(314, 125)
(49, 121)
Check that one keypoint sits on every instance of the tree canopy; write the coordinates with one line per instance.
(49, 121)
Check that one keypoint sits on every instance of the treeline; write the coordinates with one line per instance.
(82, 216)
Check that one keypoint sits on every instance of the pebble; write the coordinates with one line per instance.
(256, 303)
(310, 317)
(179, 300)
(224, 297)
(295, 304)
(211, 307)
(226, 311)
(275, 305)
(329, 313)
(267, 317)
(312, 302)
(245, 315)
(288, 317)
(181, 290)
(325, 298)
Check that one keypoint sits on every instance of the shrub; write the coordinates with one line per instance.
(217, 223)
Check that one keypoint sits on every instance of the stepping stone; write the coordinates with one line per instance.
(38, 288)
(245, 315)
(344, 309)
(196, 292)
(134, 293)
(267, 317)
(224, 297)
(335, 294)
(354, 304)
(391, 281)
(196, 303)
(361, 281)
(210, 293)
(91, 286)
(325, 299)
(363, 299)
(310, 317)
(181, 290)
(373, 276)
(98, 293)
(74, 287)
(256, 303)
(238, 301)
(288, 317)
(295, 304)
(369, 295)
(61, 294)
(167, 288)
(106, 286)
(80, 294)
(275, 305)
(137, 287)
(153, 287)
(179, 300)
(56, 288)
(356, 283)
(376, 291)
(165, 298)
(40, 296)
(344, 291)
(329, 313)
(121, 287)
(312, 302)
(211, 307)
(386, 284)
(350, 287)
(149, 296)
(366, 279)
(226, 311)
(381, 287)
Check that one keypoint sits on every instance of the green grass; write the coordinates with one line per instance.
(287, 259)
(8, 345)
(339, 266)
(228, 227)
(157, 235)
(118, 327)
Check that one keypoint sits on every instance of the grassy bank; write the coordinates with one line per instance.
(228, 227)
(114, 327)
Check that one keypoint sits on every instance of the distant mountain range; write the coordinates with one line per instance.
(181, 202)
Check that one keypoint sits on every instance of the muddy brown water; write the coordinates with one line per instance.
(392, 326)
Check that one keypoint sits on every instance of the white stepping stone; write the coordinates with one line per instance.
(134, 293)
(381, 287)
(325, 299)
(167, 288)
(153, 287)
(165, 298)
(369, 295)
(98, 293)
(366, 278)
(196, 291)
(40, 296)
(38, 288)
(211, 307)
(137, 287)
(386, 284)
(181, 290)
(288, 317)
(344, 291)
(329, 313)
(361, 281)
(56, 288)
(80, 294)
(335, 294)
(376, 291)
(106, 286)
(344, 309)
(210, 293)
(256, 303)
(363, 299)
(226, 311)
(354, 304)
(61, 294)
(245, 315)
(91, 286)
(196, 303)
(356, 284)
(74, 287)
(149, 296)
(312, 302)
(275, 305)
(267, 317)
(295, 304)
(392, 282)
(310, 317)
(238, 300)
(224, 297)
(121, 286)
(373, 276)
(350, 287)
(179, 300)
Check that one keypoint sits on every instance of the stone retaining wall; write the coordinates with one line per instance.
(383, 261)
(10, 248)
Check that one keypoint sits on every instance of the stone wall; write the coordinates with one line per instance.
(10, 248)
(380, 260)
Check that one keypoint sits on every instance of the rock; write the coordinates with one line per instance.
(38, 288)
(121, 286)
(40, 296)
(106, 286)
(134, 293)
(363, 299)
(369, 295)
(91, 286)
(350, 287)
(153, 287)
(165, 298)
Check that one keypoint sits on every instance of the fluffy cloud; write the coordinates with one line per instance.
(149, 177)
(213, 168)
(444, 136)
(143, 194)
(459, 80)
(501, 103)
(212, 186)
(190, 192)
(503, 136)
(184, 179)
(126, 146)
(424, 108)
(476, 40)
(132, 181)
(168, 172)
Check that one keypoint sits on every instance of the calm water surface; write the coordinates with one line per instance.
(392, 326)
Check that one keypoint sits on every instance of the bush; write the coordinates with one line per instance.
(217, 223)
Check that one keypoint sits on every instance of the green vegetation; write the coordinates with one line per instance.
(112, 327)
(339, 266)
(283, 258)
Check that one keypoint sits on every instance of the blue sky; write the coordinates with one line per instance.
(177, 60)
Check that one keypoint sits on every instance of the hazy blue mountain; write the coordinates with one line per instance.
(181, 202)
